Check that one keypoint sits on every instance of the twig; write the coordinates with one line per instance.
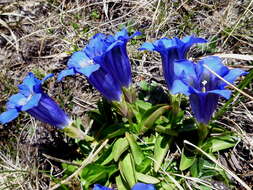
(220, 165)
(235, 56)
(84, 163)
(239, 20)
(60, 160)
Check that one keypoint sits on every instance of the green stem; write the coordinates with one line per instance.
(164, 130)
(202, 132)
(175, 103)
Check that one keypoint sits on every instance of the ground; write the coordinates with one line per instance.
(38, 36)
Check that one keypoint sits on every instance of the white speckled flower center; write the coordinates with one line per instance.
(204, 82)
(85, 63)
(24, 101)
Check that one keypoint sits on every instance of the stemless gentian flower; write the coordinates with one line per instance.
(202, 86)
(143, 186)
(171, 50)
(105, 63)
(100, 187)
(137, 186)
(33, 100)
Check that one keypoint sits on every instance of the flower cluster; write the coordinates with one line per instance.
(105, 63)
(193, 80)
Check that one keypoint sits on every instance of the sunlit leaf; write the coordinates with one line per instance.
(186, 161)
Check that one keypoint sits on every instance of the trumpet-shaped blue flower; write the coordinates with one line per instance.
(100, 187)
(33, 100)
(137, 186)
(171, 50)
(143, 186)
(202, 86)
(104, 61)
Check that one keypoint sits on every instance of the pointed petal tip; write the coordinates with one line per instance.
(47, 77)
(147, 46)
(193, 39)
(224, 93)
(64, 73)
(8, 116)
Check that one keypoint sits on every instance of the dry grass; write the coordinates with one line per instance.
(39, 35)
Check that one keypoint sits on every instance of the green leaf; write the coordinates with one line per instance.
(145, 165)
(195, 168)
(222, 142)
(111, 131)
(127, 170)
(144, 85)
(120, 184)
(120, 146)
(162, 145)
(186, 161)
(151, 116)
(106, 157)
(94, 173)
(135, 149)
(69, 169)
(146, 178)
(143, 106)
(116, 133)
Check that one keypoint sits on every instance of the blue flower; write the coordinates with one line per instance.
(100, 187)
(143, 186)
(105, 63)
(203, 87)
(33, 100)
(137, 186)
(171, 50)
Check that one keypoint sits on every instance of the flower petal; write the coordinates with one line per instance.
(180, 87)
(184, 67)
(106, 85)
(224, 93)
(121, 34)
(164, 44)
(215, 64)
(30, 81)
(116, 62)
(88, 70)
(24, 89)
(135, 34)
(46, 77)
(192, 40)
(33, 102)
(147, 46)
(113, 45)
(79, 59)
(8, 116)
(143, 186)
(16, 101)
(100, 187)
(203, 105)
(96, 46)
(48, 111)
(232, 75)
(65, 73)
